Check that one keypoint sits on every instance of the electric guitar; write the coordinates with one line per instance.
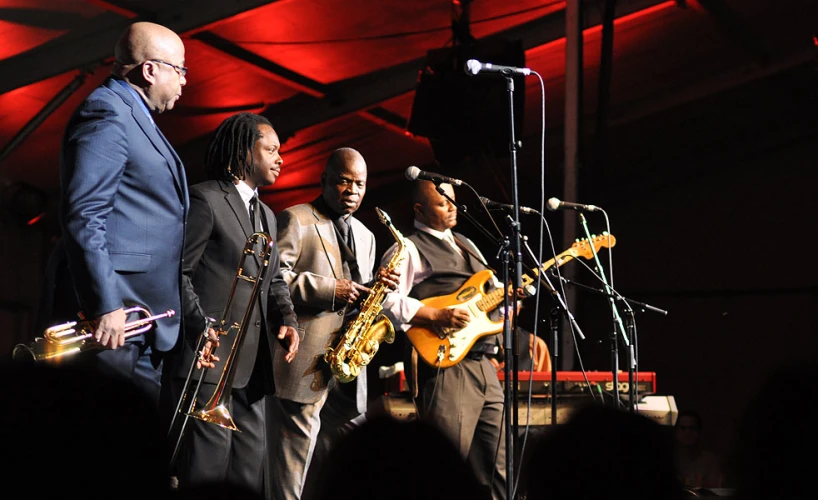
(445, 347)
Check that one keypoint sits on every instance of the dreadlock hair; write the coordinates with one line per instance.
(229, 154)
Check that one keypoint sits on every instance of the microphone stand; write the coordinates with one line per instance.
(518, 284)
(617, 324)
(630, 302)
(561, 305)
(509, 339)
(510, 351)
(629, 320)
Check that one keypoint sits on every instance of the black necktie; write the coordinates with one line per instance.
(253, 211)
(346, 231)
(348, 247)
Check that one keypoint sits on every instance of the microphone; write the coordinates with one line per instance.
(505, 206)
(413, 173)
(473, 66)
(555, 204)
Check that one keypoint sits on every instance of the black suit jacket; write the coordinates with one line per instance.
(217, 231)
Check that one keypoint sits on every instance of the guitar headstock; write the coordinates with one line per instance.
(582, 248)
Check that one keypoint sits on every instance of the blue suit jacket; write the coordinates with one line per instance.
(123, 207)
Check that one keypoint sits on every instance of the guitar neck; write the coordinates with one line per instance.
(495, 298)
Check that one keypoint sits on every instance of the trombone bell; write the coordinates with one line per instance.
(218, 415)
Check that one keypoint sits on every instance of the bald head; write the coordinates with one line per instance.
(343, 183)
(151, 58)
(143, 41)
(343, 157)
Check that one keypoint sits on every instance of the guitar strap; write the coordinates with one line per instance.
(476, 257)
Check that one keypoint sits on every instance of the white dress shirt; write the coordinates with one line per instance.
(247, 193)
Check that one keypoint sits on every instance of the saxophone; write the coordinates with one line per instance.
(362, 336)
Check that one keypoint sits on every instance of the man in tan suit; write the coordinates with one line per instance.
(327, 259)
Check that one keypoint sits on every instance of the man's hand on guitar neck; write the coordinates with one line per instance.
(450, 318)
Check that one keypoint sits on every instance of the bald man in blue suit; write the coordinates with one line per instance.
(124, 201)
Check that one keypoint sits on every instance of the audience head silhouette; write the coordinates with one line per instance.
(603, 453)
(399, 460)
(70, 432)
(779, 421)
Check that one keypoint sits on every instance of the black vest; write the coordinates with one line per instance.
(449, 269)
(449, 272)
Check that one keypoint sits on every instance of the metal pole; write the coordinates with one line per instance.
(573, 116)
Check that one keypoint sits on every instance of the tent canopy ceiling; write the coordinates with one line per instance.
(332, 73)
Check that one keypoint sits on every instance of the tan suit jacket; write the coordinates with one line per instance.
(311, 262)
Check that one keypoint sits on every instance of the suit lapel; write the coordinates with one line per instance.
(233, 199)
(157, 139)
(236, 204)
(175, 164)
(329, 243)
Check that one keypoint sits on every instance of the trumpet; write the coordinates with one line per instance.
(73, 337)
(215, 411)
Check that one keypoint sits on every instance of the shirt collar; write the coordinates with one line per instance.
(246, 192)
(137, 97)
(441, 235)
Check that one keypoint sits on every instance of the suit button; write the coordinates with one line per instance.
(258, 323)
(341, 312)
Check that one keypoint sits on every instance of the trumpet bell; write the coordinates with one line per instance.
(218, 415)
(42, 350)
(23, 354)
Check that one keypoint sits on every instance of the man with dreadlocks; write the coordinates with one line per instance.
(242, 157)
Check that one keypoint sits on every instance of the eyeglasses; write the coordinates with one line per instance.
(179, 69)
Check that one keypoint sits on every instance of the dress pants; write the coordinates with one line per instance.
(133, 362)
(339, 416)
(466, 402)
(292, 431)
(215, 454)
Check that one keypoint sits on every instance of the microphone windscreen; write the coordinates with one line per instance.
(553, 204)
(412, 173)
(473, 66)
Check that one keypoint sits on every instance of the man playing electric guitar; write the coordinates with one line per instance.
(464, 399)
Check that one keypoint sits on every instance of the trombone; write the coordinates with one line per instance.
(74, 337)
(215, 411)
